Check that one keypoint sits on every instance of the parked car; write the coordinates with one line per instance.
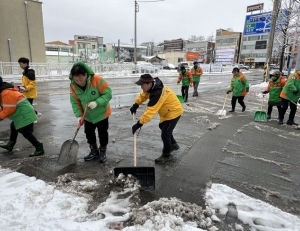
(244, 67)
(169, 66)
(185, 64)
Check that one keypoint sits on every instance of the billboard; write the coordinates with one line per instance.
(260, 23)
(224, 56)
(261, 44)
(170, 45)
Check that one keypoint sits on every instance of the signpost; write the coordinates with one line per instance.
(255, 7)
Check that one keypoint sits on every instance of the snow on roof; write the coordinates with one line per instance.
(61, 53)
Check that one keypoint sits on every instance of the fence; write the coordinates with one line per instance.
(12, 69)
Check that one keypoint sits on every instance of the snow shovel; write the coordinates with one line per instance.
(222, 112)
(261, 116)
(145, 175)
(69, 149)
(180, 98)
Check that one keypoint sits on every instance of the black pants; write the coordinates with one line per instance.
(31, 102)
(102, 127)
(270, 107)
(185, 92)
(240, 100)
(285, 105)
(26, 132)
(167, 137)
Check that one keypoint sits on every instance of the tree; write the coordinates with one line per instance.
(124, 55)
(287, 27)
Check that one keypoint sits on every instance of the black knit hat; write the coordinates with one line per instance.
(146, 78)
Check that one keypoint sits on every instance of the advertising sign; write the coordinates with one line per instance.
(173, 44)
(224, 56)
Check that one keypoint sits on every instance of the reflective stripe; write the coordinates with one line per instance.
(14, 105)
(21, 100)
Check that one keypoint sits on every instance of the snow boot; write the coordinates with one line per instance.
(94, 153)
(291, 122)
(165, 157)
(39, 150)
(244, 108)
(102, 154)
(232, 110)
(9, 146)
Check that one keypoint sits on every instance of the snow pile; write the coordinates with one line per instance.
(258, 215)
(171, 213)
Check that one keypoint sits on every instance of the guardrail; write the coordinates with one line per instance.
(12, 69)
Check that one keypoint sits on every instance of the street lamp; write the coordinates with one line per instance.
(136, 10)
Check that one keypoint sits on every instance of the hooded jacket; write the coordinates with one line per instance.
(29, 82)
(291, 90)
(186, 78)
(239, 85)
(162, 100)
(97, 90)
(15, 106)
(274, 88)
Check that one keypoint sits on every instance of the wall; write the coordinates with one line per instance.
(13, 24)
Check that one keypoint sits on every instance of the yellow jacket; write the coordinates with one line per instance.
(29, 82)
(162, 101)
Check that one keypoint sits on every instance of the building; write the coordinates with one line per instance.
(227, 47)
(140, 50)
(150, 48)
(88, 47)
(59, 52)
(205, 49)
(22, 31)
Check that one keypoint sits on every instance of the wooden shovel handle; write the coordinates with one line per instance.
(134, 143)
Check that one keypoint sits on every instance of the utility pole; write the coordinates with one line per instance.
(136, 9)
(271, 36)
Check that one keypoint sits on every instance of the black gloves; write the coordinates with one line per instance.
(247, 89)
(265, 92)
(228, 92)
(134, 108)
(136, 127)
(178, 82)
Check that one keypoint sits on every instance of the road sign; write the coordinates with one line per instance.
(255, 7)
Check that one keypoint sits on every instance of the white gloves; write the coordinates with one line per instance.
(21, 89)
(80, 121)
(92, 105)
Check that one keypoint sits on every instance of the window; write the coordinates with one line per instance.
(245, 38)
(93, 46)
(264, 36)
(218, 33)
(252, 38)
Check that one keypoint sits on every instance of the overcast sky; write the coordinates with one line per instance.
(156, 21)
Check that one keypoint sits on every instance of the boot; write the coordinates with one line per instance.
(39, 150)
(9, 146)
(291, 122)
(165, 157)
(174, 147)
(102, 154)
(268, 116)
(232, 110)
(94, 153)
(244, 108)
(280, 122)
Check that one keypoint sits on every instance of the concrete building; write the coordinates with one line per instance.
(205, 49)
(227, 47)
(59, 52)
(87, 46)
(21, 31)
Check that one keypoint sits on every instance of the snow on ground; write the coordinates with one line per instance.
(29, 204)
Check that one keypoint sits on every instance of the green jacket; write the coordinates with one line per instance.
(97, 90)
(186, 78)
(274, 89)
(291, 90)
(239, 85)
(15, 106)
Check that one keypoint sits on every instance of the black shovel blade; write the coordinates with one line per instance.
(145, 175)
(68, 152)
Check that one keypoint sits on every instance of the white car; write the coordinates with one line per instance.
(273, 69)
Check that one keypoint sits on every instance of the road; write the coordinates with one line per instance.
(259, 159)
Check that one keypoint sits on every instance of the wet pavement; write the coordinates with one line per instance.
(259, 159)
